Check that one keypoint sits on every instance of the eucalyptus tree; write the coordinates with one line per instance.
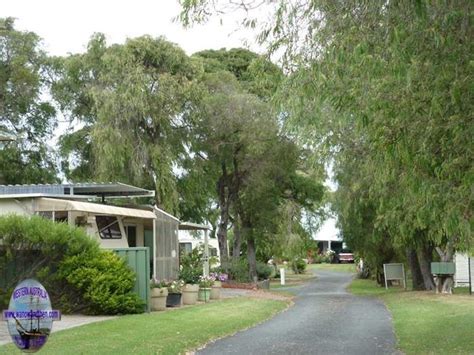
(398, 74)
(24, 113)
(237, 147)
(229, 124)
(256, 73)
(131, 100)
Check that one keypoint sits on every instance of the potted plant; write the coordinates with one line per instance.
(190, 278)
(174, 293)
(190, 271)
(159, 292)
(205, 284)
(216, 287)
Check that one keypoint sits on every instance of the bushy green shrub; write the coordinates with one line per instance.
(191, 267)
(79, 276)
(239, 270)
(298, 265)
(264, 271)
(105, 282)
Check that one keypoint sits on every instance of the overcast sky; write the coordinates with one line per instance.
(66, 26)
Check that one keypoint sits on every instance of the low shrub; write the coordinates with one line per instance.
(79, 276)
(105, 282)
(264, 271)
(238, 270)
(298, 265)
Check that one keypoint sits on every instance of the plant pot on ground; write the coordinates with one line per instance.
(173, 300)
(205, 284)
(174, 293)
(204, 294)
(158, 294)
(216, 290)
(216, 287)
(190, 293)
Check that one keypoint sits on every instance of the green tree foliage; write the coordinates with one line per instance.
(23, 111)
(238, 146)
(78, 275)
(131, 100)
(384, 88)
(255, 73)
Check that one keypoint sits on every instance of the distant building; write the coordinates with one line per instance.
(328, 237)
(189, 240)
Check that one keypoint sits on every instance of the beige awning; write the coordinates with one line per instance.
(52, 204)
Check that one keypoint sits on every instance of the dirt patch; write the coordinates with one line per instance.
(263, 294)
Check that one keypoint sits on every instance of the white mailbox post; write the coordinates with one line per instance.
(282, 276)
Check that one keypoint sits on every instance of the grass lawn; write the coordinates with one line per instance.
(333, 267)
(426, 323)
(291, 279)
(171, 332)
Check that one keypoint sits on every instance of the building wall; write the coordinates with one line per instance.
(21, 207)
(166, 242)
(187, 237)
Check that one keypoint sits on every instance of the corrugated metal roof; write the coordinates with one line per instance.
(82, 189)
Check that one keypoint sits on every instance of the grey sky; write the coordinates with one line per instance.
(66, 26)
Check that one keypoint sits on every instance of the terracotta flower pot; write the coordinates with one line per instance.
(158, 298)
(216, 290)
(204, 294)
(190, 293)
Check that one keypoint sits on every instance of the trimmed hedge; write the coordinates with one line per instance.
(79, 276)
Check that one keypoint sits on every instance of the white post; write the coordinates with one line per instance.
(282, 276)
(329, 245)
(206, 254)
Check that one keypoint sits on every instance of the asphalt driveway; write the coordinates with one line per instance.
(324, 320)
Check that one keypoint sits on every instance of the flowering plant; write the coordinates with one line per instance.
(330, 252)
(206, 281)
(175, 286)
(218, 276)
(156, 283)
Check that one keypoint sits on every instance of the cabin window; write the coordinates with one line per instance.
(185, 248)
(109, 227)
(212, 251)
(57, 216)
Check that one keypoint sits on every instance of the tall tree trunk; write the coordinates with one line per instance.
(418, 283)
(237, 238)
(445, 282)
(224, 217)
(251, 256)
(425, 256)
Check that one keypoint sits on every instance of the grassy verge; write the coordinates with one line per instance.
(291, 279)
(426, 323)
(333, 267)
(170, 332)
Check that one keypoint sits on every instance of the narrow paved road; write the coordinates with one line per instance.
(324, 320)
